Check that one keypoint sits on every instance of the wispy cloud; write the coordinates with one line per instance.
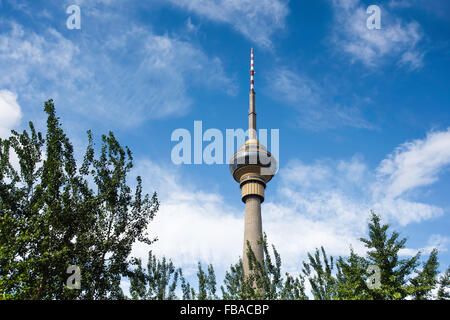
(440, 8)
(10, 112)
(316, 107)
(435, 241)
(415, 164)
(257, 20)
(396, 41)
(28, 59)
(93, 78)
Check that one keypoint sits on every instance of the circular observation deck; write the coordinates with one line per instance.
(253, 162)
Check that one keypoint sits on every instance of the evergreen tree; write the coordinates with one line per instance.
(383, 253)
(444, 286)
(426, 280)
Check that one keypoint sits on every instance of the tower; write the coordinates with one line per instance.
(252, 166)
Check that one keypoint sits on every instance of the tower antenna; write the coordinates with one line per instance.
(252, 108)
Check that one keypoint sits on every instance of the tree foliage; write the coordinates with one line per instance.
(55, 214)
(158, 283)
(444, 286)
(264, 281)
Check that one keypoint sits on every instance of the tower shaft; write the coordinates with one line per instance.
(252, 231)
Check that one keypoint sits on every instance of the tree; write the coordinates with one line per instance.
(264, 280)
(383, 252)
(188, 291)
(444, 286)
(351, 277)
(232, 288)
(55, 213)
(323, 284)
(426, 280)
(206, 283)
(158, 283)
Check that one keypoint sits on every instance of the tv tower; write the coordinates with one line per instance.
(252, 167)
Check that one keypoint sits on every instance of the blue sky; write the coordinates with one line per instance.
(363, 114)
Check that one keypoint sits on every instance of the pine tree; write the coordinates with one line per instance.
(444, 286)
(426, 280)
(383, 253)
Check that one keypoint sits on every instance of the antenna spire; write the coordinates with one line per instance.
(252, 73)
(252, 109)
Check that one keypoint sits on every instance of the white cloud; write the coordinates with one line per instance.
(415, 164)
(439, 8)
(314, 104)
(435, 241)
(29, 61)
(411, 166)
(10, 112)
(401, 3)
(396, 40)
(190, 26)
(258, 20)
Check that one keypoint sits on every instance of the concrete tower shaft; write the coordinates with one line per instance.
(252, 230)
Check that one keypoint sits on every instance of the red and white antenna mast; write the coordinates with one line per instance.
(252, 109)
(252, 73)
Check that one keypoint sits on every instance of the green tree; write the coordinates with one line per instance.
(351, 277)
(55, 214)
(158, 283)
(319, 270)
(264, 281)
(426, 280)
(383, 251)
(206, 283)
(188, 291)
(232, 286)
(444, 286)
